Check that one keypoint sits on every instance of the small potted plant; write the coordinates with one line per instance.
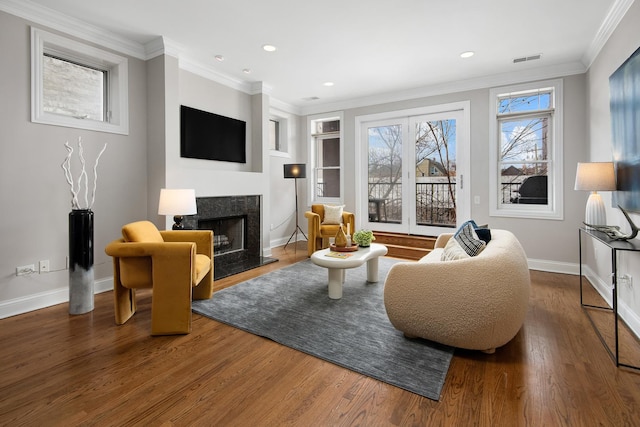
(363, 238)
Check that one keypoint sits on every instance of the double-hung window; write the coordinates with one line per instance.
(526, 150)
(326, 160)
(77, 85)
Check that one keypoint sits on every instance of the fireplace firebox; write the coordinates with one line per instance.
(235, 221)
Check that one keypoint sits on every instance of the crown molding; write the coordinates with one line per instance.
(196, 67)
(495, 80)
(60, 22)
(608, 26)
(57, 21)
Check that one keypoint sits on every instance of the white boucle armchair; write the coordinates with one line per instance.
(478, 303)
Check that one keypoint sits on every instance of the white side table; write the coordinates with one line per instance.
(337, 266)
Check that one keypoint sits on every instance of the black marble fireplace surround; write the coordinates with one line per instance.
(212, 211)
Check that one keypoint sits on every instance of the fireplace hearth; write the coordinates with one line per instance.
(235, 221)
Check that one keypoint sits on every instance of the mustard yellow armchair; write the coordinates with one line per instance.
(178, 265)
(319, 230)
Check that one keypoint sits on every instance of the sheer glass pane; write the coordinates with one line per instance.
(73, 90)
(524, 139)
(328, 183)
(435, 154)
(524, 183)
(274, 135)
(385, 173)
(527, 102)
(329, 152)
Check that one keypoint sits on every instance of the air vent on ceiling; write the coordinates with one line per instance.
(527, 58)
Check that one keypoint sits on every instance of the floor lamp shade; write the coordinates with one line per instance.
(295, 170)
(594, 177)
(177, 202)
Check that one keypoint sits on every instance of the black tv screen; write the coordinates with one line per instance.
(209, 136)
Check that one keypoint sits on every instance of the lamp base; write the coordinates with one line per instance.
(595, 213)
(178, 225)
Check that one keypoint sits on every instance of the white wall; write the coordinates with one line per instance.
(622, 43)
(549, 244)
(34, 195)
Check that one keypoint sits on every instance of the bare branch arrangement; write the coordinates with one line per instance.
(77, 187)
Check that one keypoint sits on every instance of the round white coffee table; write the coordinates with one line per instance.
(337, 266)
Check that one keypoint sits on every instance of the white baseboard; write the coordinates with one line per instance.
(553, 266)
(604, 289)
(40, 300)
(283, 241)
(61, 295)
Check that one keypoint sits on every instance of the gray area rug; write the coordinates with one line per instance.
(291, 306)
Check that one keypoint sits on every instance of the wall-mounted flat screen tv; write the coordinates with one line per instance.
(209, 136)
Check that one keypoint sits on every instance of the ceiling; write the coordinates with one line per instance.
(367, 48)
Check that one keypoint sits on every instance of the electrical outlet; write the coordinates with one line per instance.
(44, 266)
(25, 269)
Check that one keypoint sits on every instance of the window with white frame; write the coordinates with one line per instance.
(326, 160)
(274, 134)
(77, 85)
(526, 150)
(280, 132)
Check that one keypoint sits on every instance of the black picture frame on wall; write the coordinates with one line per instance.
(624, 86)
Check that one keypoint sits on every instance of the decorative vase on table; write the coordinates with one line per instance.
(341, 238)
(81, 280)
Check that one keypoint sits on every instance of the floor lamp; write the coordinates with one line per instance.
(295, 171)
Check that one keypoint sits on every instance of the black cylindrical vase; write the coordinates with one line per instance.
(81, 283)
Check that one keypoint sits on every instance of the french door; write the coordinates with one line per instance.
(412, 172)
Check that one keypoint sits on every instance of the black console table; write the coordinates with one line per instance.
(615, 246)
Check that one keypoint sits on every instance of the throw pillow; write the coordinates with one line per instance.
(453, 251)
(332, 214)
(141, 231)
(468, 239)
(484, 234)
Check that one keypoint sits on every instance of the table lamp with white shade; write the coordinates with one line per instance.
(177, 202)
(594, 177)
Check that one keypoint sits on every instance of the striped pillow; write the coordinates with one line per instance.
(468, 239)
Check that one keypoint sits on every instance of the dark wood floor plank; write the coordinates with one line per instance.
(57, 369)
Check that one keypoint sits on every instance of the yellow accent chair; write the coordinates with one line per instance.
(177, 264)
(320, 230)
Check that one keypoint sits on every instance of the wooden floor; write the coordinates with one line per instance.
(57, 369)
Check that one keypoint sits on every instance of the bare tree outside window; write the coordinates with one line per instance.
(435, 172)
(524, 126)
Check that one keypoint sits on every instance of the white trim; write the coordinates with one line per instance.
(554, 266)
(447, 88)
(118, 96)
(285, 121)
(625, 312)
(555, 208)
(32, 302)
(311, 161)
(608, 26)
(58, 21)
(464, 194)
(75, 27)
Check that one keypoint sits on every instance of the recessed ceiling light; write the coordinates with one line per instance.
(467, 54)
(219, 58)
(247, 71)
(269, 47)
(328, 84)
